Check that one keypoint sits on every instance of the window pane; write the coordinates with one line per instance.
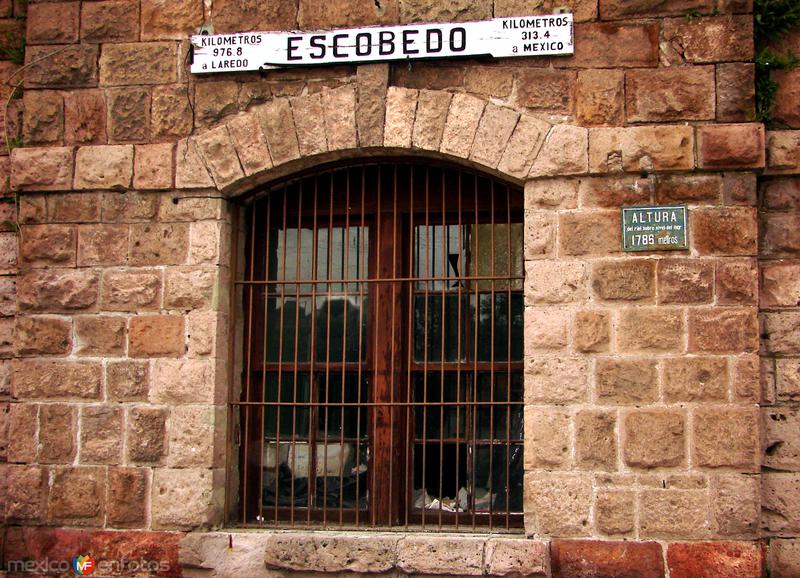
(337, 420)
(496, 251)
(494, 335)
(502, 422)
(437, 321)
(440, 421)
(338, 319)
(498, 472)
(289, 421)
(439, 251)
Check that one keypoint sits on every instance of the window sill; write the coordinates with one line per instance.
(366, 552)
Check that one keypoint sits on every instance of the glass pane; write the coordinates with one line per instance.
(340, 421)
(290, 421)
(496, 251)
(443, 421)
(341, 475)
(341, 255)
(439, 251)
(288, 328)
(494, 336)
(500, 422)
(440, 477)
(436, 327)
(498, 472)
(338, 319)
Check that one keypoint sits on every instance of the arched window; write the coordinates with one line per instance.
(382, 366)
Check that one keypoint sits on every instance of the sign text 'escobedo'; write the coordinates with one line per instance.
(499, 38)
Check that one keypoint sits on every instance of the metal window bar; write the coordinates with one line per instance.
(348, 249)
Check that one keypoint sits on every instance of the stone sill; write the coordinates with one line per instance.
(370, 552)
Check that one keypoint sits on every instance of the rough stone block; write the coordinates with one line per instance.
(332, 553)
(77, 495)
(780, 503)
(727, 438)
(170, 19)
(53, 23)
(557, 504)
(737, 282)
(626, 382)
(196, 437)
(43, 336)
(539, 234)
(171, 114)
(615, 513)
(781, 234)
(731, 146)
(104, 167)
(592, 331)
(127, 380)
(101, 435)
(190, 288)
(127, 497)
(783, 150)
(156, 336)
(551, 193)
(461, 125)
(549, 282)
(74, 207)
(596, 440)
(622, 9)
(215, 100)
(782, 193)
(26, 493)
(100, 335)
(55, 290)
(629, 280)
(43, 117)
(780, 284)
(784, 558)
(84, 116)
(670, 94)
(58, 424)
(128, 114)
(36, 379)
(712, 39)
(600, 97)
(159, 244)
(614, 45)
(147, 434)
(673, 514)
(564, 152)
(701, 189)
(47, 246)
(251, 146)
(41, 169)
(65, 66)
(686, 281)
(494, 132)
(736, 92)
(547, 438)
(654, 438)
(556, 380)
(139, 63)
(103, 245)
(431, 115)
(781, 332)
(700, 379)
(545, 89)
(522, 147)
(641, 148)
(236, 16)
(736, 505)
(339, 113)
(401, 106)
(217, 149)
(129, 207)
(176, 381)
(503, 557)
(589, 233)
(715, 559)
(578, 558)
(723, 330)
(23, 419)
(131, 290)
(650, 330)
(458, 11)
(372, 82)
(183, 498)
(110, 21)
(279, 128)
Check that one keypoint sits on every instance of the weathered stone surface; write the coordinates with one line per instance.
(156, 336)
(614, 9)
(47, 246)
(101, 435)
(310, 123)
(146, 434)
(159, 244)
(43, 117)
(723, 330)
(110, 21)
(736, 505)
(642, 148)
(76, 495)
(523, 146)
(628, 280)
(746, 379)
(58, 424)
(139, 63)
(548, 282)
(74, 207)
(504, 557)
(339, 113)
(494, 132)
(596, 440)
(787, 378)
(372, 81)
(251, 146)
(780, 284)
(564, 152)
(614, 45)
(170, 19)
(53, 23)
(401, 104)
(545, 89)
(41, 169)
(584, 558)
(726, 438)
(102, 245)
(23, 419)
(43, 336)
(131, 290)
(215, 100)
(780, 507)
(127, 380)
(432, 76)
(740, 189)
(279, 128)
(626, 382)
(462, 123)
(783, 150)
(673, 514)
(84, 115)
(589, 232)
(547, 438)
(714, 39)
(784, 558)
(171, 114)
(26, 497)
(127, 495)
(600, 97)
(196, 437)
(431, 115)
(703, 189)
(670, 94)
(557, 504)
(736, 92)
(330, 553)
(737, 282)
(190, 288)
(129, 207)
(592, 331)
(695, 379)
(650, 330)
(36, 379)
(457, 11)
(190, 170)
(654, 438)
(176, 381)
(539, 234)
(129, 114)
(104, 167)
(489, 81)
(582, 10)
(731, 146)
(220, 157)
(551, 193)
(688, 281)
(245, 15)
(556, 379)
(66, 66)
(780, 332)
(184, 498)
(781, 234)
(52, 290)
(786, 108)
(99, 335)
(715, 559)
(615, 513)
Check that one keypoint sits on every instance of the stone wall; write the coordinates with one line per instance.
(643, 437)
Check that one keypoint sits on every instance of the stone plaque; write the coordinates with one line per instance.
(656, 228)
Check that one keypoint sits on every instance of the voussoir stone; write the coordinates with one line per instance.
(330, 553)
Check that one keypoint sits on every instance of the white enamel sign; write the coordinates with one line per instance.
(499, 38)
